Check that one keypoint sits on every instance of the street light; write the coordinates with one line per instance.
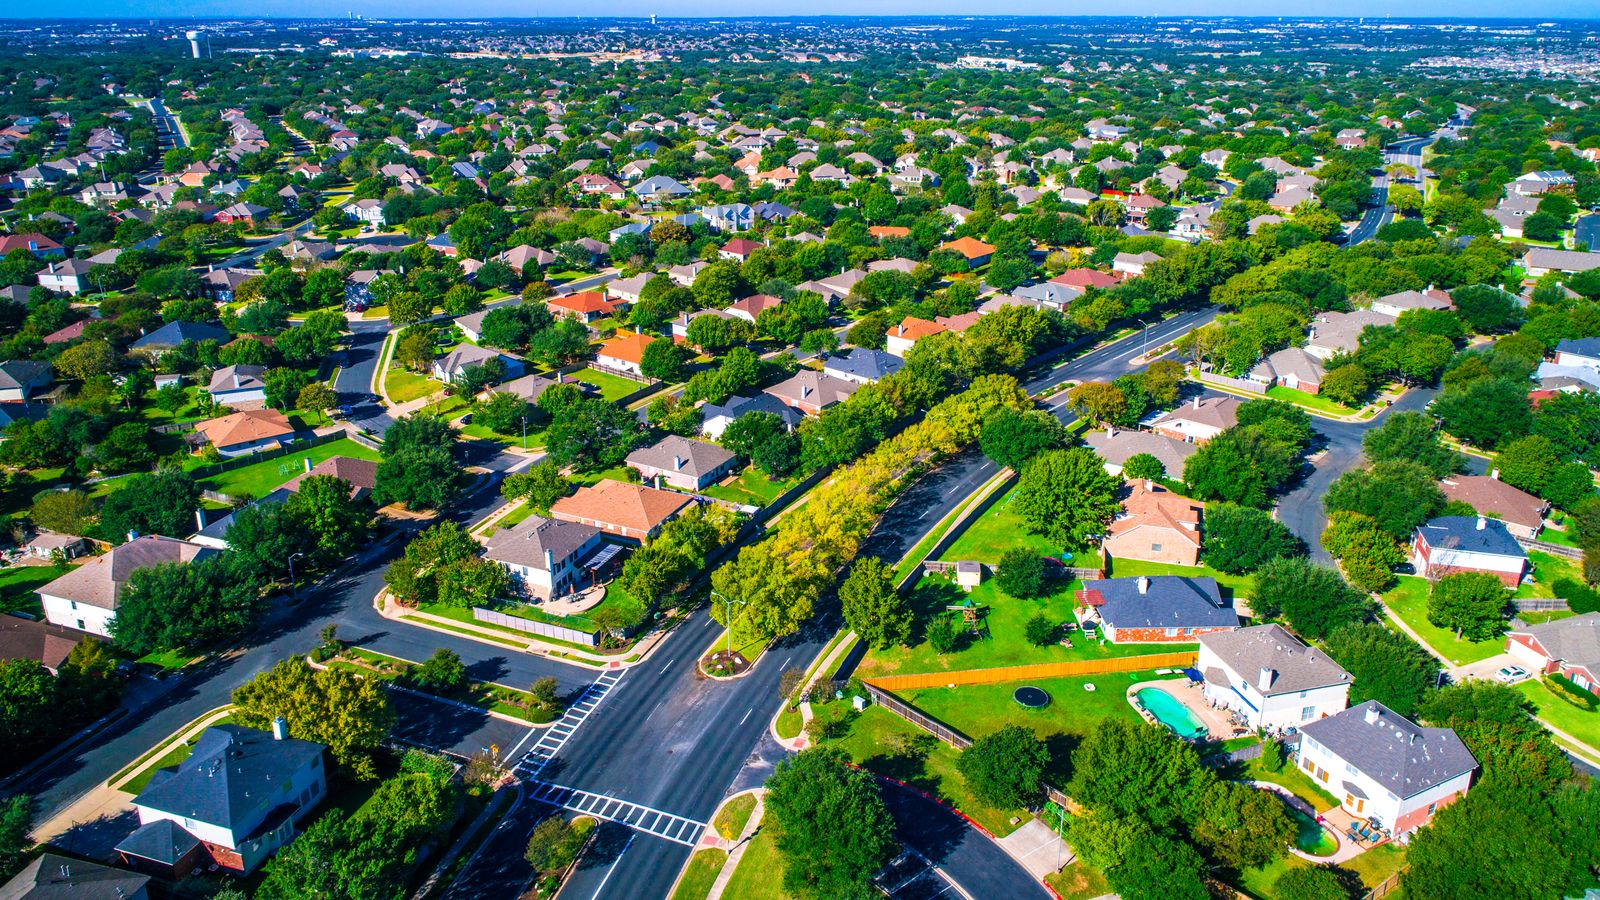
(294, 593)
(524, 430)
(728, 605)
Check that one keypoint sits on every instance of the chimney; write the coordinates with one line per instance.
(1149, 485)
(308, 464)
(1111, 431)
(1482, 523)
(200, 519)
(1144, 584)
(1372, 714)
(1495, 474)
(549, 560)
(280, 728)
(1264, 679)
(677, 463)
(1197, 403)
(133, 536)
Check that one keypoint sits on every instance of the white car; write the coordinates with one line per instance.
(1512, 674)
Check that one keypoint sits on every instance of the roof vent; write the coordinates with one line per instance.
(1372, 714)
(1482, 523)
(1144, 584)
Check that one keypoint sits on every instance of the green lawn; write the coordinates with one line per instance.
(1558, 536)
(1310, 401)
(989, 536)
(759, 875)
(980, 709)
(752, 487)
(1298, 783)
(616, 599)
(1547, 569)
(1369, 868)
(185, 413)
(535, 438)
(259, 479)
(734, 815)
(1583, 724)
(403, 386)
(18, 583)
(610, 386)
(1006, 618)
(1128, 568)
(1409, 600)
(704, 867)
(170, 660)
(1078, 881)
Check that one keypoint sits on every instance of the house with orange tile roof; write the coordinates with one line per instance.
(624, 353)
(585, 306)
(902, 337)
(975, 251)
(1084, 278)
(1156, 525)
(739, 249)
(247, 431)
(889, 231)
(630, 511)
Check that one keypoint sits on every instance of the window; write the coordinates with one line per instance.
(1306, 712)
(1433, 806)
(1155, 548)
(74, 605)
(1302, 695)
(1172, 632)
(1349, 769)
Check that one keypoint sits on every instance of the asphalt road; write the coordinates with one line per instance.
(1587, 232)
(354, 382)
(1407, 151)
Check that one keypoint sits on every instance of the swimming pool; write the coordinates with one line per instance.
(1171, 712)
(1310, 836)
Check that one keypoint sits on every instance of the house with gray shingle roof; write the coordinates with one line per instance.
(1567, 647)
(863, 365)
(1451, 544)
(1155, 608)
(543, 556)
(20, 378)
(86, 597)
(1270, 679)
(1116, 446)
(1383, 766)
(683, 463)
(55, 877)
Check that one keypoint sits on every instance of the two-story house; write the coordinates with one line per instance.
(86, 597)
(543, 555)
(1450, 544)
(1270, 679)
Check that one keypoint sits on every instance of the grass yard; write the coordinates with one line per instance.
(1239, 585)
(403, 386)
(1310, 401)
(169, 660)
(1583, 724)
(1298, 782)
(1547, 569)
(535, 439)
(734, 815)
(759, 875)
(616, 599)
(980, 709)
(1005, 646)
(18, 583)
(610, 386)
(175, 754)
(704, 867)
(989, 536)
(185, 413)
(259, 479)
(1369, 868)
(752, 487)
(1409, 601)
(1078, 881)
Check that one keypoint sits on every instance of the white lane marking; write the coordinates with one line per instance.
(668, 665)
(513, 752)
(602, 886)
(747, 715)
(679, 829)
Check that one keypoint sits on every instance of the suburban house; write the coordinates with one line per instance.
(739, 249)
(20, 379)
(750, 308)
(901, 338)
(585, 306)
(1541, 261)
(528, 387)
(628, 288)
(1583, 352)
(1383, 766)
(1291, 367)
(247, 431)
(361, 474)
(862, 365)
(683, 463)
(234, 801)
(624, 354)
(715, 418)
(1521, 512)
(625, 510)
(974, 251)
(67, 276)
(86, 597)
(1155, 608)
(213, 531)
(238, 385)
(1270, 679)
(1452, 544)
(1133, 263)
(54, 877)
(1199, 420)
(1566, 647)
(1338, 332)
(367, 212)
(543, 555)
(173, 334)
(471, 325)
(811, 392)
(1404, 301)
(464, 358)
(1116, 447)
(1156, 525)
(39, 642)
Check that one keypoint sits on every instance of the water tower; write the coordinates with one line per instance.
(194, 42)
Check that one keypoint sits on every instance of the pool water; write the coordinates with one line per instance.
(1171, 712)
(1311, 837)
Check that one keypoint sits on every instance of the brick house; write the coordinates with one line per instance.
(685, 464)
(1521, 512)
(1451, 544)
(1199, 420)
(625, 510)
(1566, 647)
(1156, 525)
(1171, 609)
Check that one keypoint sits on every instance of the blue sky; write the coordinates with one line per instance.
(1568, 9)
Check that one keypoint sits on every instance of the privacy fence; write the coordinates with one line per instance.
(1001, 674)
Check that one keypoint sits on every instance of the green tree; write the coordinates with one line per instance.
(324, 509)
(1021, 574)
(1128, 768)
(1313, 599)
(1310, 883)
(1486, 412)
(502, 412)
(350, 715)
(831, 825)
(665, 361)
(16, 822)
(1367, 552)
(1472, 604)
(592, 434)
(542, 483)
(418, 467)
(1528, 463)
(1241, 465)
(27, 697)
(317, 396)
(1143, 467)
(66, 511)
(1012, 437)
(1384, 665)
(1495, 722)
(874, 609)
(553, 845)
(183, 606)
(1397, 494)
(442, 673)
(1241, 539)
(162, 503)
(1066, 496)
(1006, 769)
(1411, 436)
(765, 440)
(1242, 827)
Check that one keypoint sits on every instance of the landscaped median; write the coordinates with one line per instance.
(498, 700)
(707, 870)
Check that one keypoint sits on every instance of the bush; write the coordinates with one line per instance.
(1021, 574)
(1040, 630)
(944, 634)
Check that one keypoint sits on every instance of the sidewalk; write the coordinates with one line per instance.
(737, 853)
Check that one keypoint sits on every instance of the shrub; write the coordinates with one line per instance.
(1021, 574)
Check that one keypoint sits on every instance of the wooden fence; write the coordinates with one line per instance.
(1552, 549)
(1541, 604)
(1238, 384)
(546, 629)
(1002, 674)
(1385, 887)
(250, 459)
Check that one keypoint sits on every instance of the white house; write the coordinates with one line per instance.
(543, 555)
(235, 385)
(1451, 544)
(1270, 679)
(1583, 352)
(234, 802)
(86, 597)
(1199, 420)
(1382, 766)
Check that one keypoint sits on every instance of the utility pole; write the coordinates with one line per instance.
(294, 591)
(728, 605)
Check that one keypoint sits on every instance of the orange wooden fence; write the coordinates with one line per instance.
(1041, 670)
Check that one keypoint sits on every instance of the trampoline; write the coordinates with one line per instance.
(1031, 697)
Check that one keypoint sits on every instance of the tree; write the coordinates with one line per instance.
(1472, 604)
(1495, 722)
(1021, 573)
(1367, 552)
(1143, 467)
(542, 483)
(665, 361)
(27, 696)
(553, 846)
(502, 412)
(162, 503)
(1397, 494)
(318, 396)
(409, 307)
(1040, 630)
(418, 466)
(1240, 465)
(88, 359)
(1313, 599)
(592, 434)
(831, 825)
(350, 715)
(1066, 496)
(873, 607)
(67, 511)
(442, 673)
(765, 440)
(1486, 309)
(1006, 769)
(1160, 868)
(1528, 463)
(16, 822)
(1126, 768)
(1310, 883)
(1099, 402)
(1411, 436)
(1242, 827)
(1012, 437)
(183, 606)
(1486, 412)
(324, 510)
(414, 349)
(1384, 665)
(1241, 539)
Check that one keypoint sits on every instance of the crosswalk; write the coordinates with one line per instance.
(677, 829)
(555, 737)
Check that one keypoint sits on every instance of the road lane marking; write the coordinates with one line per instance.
(668, 665)
(602, 886)
(747, 715)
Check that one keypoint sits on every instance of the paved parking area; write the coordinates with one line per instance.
(1038, 847)
(913, 878)
(451, 728)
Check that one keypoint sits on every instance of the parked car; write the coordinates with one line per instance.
(1512, 674)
